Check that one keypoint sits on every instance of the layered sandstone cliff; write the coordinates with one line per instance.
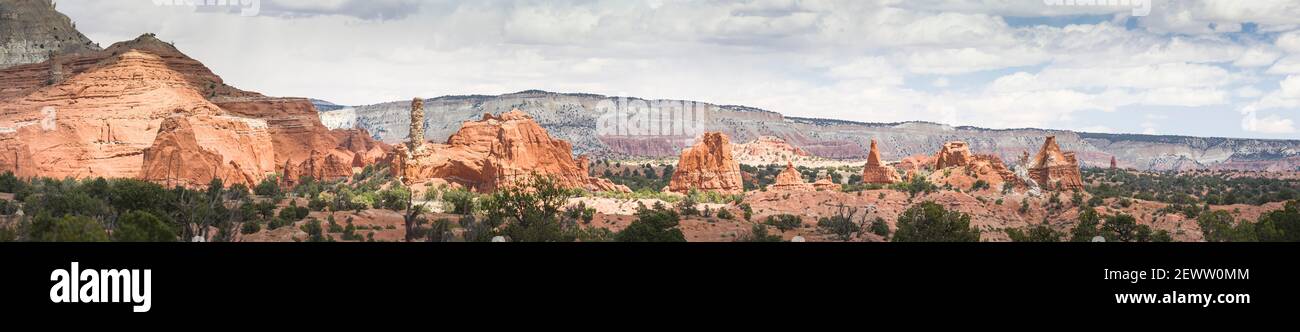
(876, 172)
(1054, 169)
(708, 166)
(142, 109)
(495, 152)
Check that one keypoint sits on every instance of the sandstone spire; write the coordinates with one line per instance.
(1114, 164)
(876, 172)
(1056, 170)
(417, 123)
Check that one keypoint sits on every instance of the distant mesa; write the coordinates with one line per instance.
(709, 166)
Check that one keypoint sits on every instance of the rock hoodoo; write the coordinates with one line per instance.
(1114, 164)
(708, 166)
(494, 152)
(1056, 170)
(953, 154)
(417, 123)
(876, 172)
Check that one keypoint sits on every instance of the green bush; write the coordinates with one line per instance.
(250, 228)
(1040, 233)
(784, 222)
(657, 224)
(140, 226)
(459, 201)
(759, 233)
(930, 222)
(69, 228)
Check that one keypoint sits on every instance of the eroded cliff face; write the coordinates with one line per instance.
(495, 152)
(1054, 169)
(142, 109)
(573, 117)
(708, 166)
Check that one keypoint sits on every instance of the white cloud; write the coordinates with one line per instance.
(1271, 124)
(1288, 65)
(1257, 57)
(882, 61)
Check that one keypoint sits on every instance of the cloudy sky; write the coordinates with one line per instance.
(1203, 68)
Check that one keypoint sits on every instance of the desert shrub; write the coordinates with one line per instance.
(841, 224)
(879, 227)
(69, 228)
(656, 224)
(1040, 233)
(269, 187)
(140, 226)
(784, 222)
(459, 201)
(758, 233)
(930, 222)
(250, 228)
(314, 231)
(725, 214)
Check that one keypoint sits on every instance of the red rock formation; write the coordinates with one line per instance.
(142, 109)
(708, 166)
(494, 152)
(1056, 170)
(953, 154)
(790, 180)
(876, 172)
(825, 184)
(1114, 164)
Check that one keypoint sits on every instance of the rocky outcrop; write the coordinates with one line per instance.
(708, 166)
(825, 184)
(142, 109)
(953, 154)
(789, 180)
(31, 31)
(1114, 164)
(876, 172)
(1056, 170)
(495, 152)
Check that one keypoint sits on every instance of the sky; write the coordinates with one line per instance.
(1223, 68)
